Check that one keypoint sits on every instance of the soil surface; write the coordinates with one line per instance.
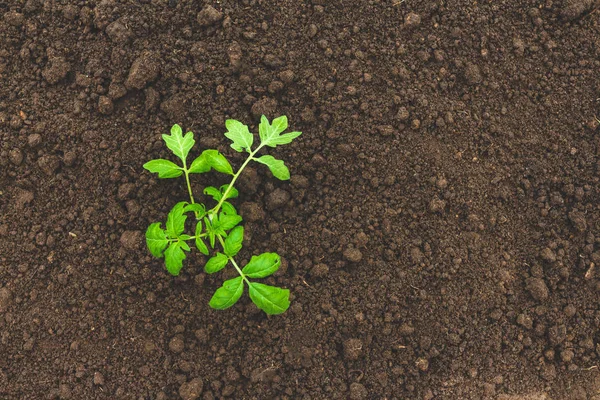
(438, 233)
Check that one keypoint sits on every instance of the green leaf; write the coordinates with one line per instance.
(228, 208)
(211, 227)
(164, 168)
(179, 145)
(197, 208)
(156, 239)
(174, 257)
(239, 134)
(216, 263)
(283, 139)
(228, 294)
(213, 192)
(199, 165)
(217, 161)
(279, 125)
(277, 167)
(200, 245)
(264, 129)
(270, 135)
(233, 241)
(184, 237)
(184, 245)
(233, 192)
(176, 220)
(270, 299)
(262, 265)
(228, 221)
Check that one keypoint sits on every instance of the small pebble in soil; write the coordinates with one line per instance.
(144, 70)
(548, 255)
(5, 299)
(422, 364)
(56, 70)
(412, 19)
(473, 74)
(49, 164)
(209, 16)
(34, 140)
(15, 156)
(252, 212)
(319, 270)
(98, 378)
(177, 345)
(105, 105)
(264, 106)
(70, 158)
(437, 205)
(191, 390)
(118, 32)
(353, 349)
(358, 391)
(277, 199)
(132, 240)
(578, 220)
(14, 18)
(537, 288)
(353, 254)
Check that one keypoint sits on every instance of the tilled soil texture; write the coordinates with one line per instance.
(440, 234)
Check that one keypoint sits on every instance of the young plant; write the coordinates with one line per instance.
(220, 224)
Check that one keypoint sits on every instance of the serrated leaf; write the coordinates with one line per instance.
(216, 263)
(213, 192)
(228, 208)
(174, 257)
(233, 241)
(228, 294)
(239, 134)
(262, 265)
(184, 237)
(270, 134)
(199, 165)
(178, 144)
(176, 220)
(279, 125)
(277, 167)
(271, 299)
(217, 161)
(228, 221)
(264, 129)
(283, 139)
(232, 194)
(164, 168)
(184, 245)
(200, 245)
(156, 239)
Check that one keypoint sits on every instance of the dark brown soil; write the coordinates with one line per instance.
(442, 237)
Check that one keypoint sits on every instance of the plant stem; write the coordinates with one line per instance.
(231, 259)
(216, 209)
(187, 180)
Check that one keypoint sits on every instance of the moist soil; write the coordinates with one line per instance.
(438, 235)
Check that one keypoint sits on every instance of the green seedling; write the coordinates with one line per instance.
(219, 225)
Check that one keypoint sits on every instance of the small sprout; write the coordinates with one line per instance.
(219, 225)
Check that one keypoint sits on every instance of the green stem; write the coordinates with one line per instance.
(232, 260)
(216, 209)
(190, 238)
(187, 180)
